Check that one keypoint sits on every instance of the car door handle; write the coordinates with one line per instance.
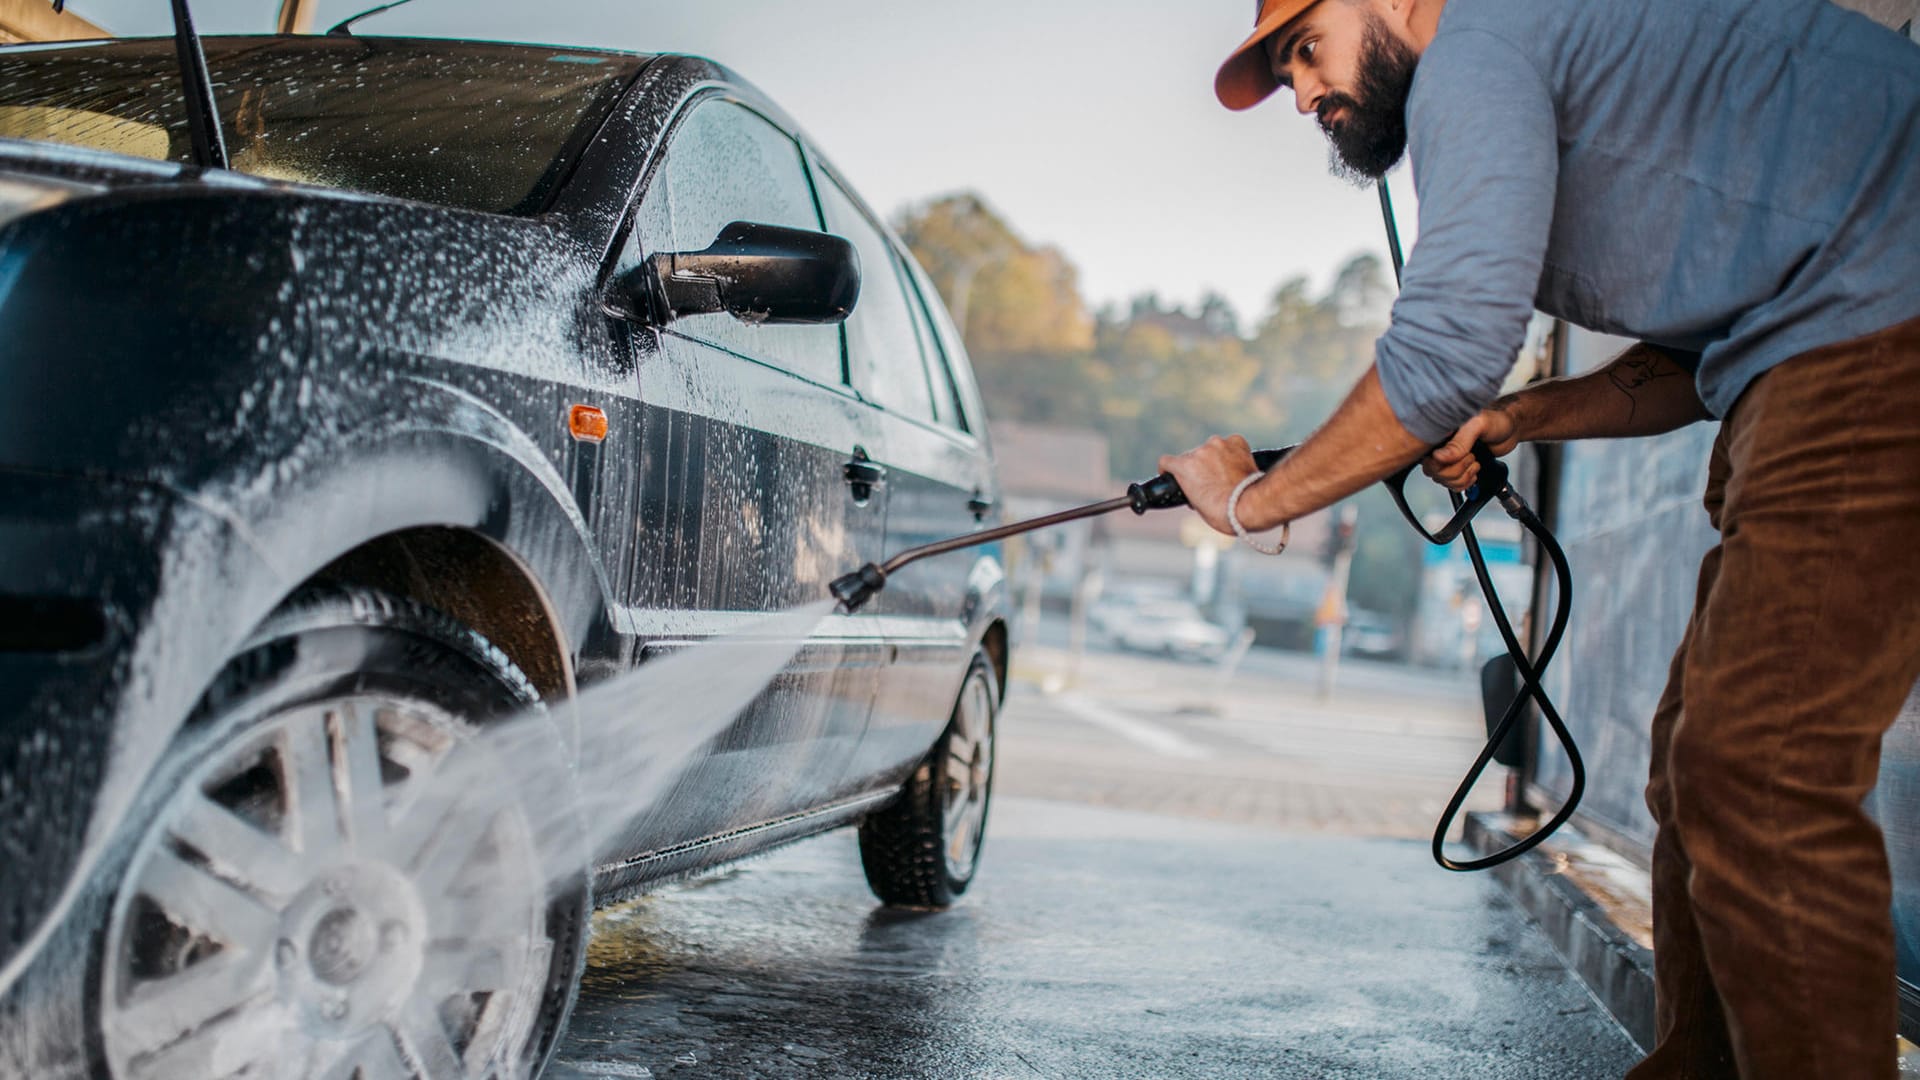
(865, 473)
(981, 506)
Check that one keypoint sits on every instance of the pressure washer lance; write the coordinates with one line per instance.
(1492, 484)
(1160, 493)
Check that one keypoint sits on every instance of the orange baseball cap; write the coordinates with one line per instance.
(1246, 79)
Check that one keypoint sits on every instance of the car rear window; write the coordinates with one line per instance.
(479, 127)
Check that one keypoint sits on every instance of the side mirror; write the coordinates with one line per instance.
(756, 273)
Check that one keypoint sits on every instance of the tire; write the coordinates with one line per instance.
(922, 849)
(269, 917)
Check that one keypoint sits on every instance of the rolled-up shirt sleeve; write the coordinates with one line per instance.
(1485, 164)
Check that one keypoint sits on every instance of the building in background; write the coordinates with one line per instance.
(35, 20)
(1044, 469)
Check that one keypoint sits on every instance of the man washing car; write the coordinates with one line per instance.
(1737, 184)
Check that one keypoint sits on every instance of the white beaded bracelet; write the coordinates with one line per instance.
(1239, 530)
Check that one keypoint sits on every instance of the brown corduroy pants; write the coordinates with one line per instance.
(1773, 933)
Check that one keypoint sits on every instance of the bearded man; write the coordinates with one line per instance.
(1735, 183)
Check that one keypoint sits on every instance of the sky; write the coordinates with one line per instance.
(1089, 124)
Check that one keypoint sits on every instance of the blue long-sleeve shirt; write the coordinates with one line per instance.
(1735, 178)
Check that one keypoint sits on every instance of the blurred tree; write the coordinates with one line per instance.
(1360, 296)
(1326, 338)
(1217, 313)
(1170, 381)
(953, 237)
(1029, 302)
(1018, 308)
(1006, 296)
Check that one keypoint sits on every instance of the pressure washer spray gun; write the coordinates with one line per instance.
(1163, 493)
(1492, 483)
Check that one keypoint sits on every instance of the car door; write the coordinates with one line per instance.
(742, 502)
(939, 485)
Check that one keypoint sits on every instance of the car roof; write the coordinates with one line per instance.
(422, 46)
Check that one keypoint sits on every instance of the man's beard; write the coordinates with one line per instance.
(1371, 137)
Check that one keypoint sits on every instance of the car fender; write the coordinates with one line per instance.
(987, 607)
(250, 538)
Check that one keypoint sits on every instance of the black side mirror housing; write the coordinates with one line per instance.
(756, 273)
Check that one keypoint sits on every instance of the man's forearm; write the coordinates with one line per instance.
(1642, 392)
(1362, 443)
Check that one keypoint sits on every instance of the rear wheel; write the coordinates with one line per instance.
(333, 879)
(922, 849)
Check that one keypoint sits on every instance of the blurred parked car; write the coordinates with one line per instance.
(484, 373)
(1169, 626)
(1371, 634)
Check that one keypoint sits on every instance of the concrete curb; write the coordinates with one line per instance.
(1617, 969)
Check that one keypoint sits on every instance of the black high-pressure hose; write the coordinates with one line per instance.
(1493, 478)
(1530, 675)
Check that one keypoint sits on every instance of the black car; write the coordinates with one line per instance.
(485, 374)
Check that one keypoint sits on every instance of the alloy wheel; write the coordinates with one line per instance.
(967, 778)
(341, 892)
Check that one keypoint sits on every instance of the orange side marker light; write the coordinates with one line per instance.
(587, 424)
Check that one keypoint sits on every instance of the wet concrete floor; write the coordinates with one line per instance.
(1096, 943)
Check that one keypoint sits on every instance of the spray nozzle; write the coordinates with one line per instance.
(855, 589)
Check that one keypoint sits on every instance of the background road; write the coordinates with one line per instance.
(1380, 757)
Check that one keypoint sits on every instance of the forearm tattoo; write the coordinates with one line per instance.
(1636, 369)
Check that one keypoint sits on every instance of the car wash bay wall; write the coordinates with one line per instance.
(1629, 514)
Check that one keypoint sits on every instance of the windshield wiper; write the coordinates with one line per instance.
(203, 122)
(344, 28)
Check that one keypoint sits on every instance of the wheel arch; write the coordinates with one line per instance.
(986, 613)
(462, 510)
(471, 577)
(994, 641)
(450, 512)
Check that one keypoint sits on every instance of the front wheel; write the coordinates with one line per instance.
(922, 849)
(334, 879)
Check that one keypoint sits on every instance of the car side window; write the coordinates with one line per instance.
(883, 347)
(929, 353)
(946, 389)
(726, 163)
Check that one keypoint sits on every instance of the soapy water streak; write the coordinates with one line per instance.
(638, 733)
